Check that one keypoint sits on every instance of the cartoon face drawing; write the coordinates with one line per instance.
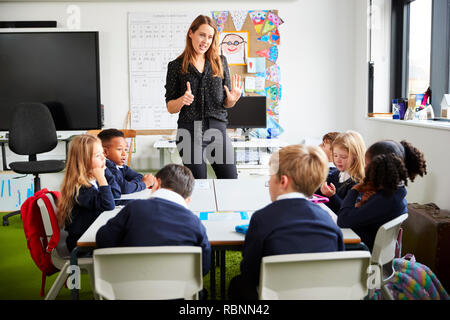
(232, 44)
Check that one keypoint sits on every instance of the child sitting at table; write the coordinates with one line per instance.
(162, 220)
(381, 196)
(291, 223)
(327, 142)
(87, 189)
(348, 156)
(115, 147)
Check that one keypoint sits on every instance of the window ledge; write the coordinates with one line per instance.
(416, 123)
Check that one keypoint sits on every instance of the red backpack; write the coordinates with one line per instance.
(33, 226)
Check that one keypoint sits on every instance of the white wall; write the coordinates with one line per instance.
(316, 58)
(434, 187)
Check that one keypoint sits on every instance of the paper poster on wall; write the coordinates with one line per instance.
(14, 190)
(273, 73)
(154, 39)
(271, 22)
(272, 37)
(274, 92)
(238, 17)
(220, 17)
(270, 54)
(258, 17)
(234, 45)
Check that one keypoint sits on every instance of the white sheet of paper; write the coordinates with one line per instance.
(202, 184)
(250, 84)
(260, 83)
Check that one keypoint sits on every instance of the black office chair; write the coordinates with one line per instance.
(32, 131)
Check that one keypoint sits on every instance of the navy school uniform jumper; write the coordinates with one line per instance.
(155, 222)
(368, 218)
(89, 204)
(128, 180)
(287, 226)
(341, 190)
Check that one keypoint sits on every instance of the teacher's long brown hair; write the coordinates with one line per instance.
(213, 52)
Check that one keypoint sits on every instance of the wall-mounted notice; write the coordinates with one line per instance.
(14, 190)
(154, 40)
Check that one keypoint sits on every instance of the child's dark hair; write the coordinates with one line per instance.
(177, 178)
(107, 134)
(392, 163)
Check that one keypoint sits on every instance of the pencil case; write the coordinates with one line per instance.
(242, 228)
(319, 199)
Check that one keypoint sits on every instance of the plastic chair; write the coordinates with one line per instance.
(151, 273)
(32, 131)
(311, 276)
(128, 133)
(384, 250)
(60, 256)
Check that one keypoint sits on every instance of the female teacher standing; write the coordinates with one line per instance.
(198, 87)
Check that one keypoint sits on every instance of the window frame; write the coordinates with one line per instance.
(399, 53)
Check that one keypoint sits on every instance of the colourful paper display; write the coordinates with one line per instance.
(273, 73)
(258, 17)
(274, 92)
(238, 17)
(220, 17)
(272, 37)
(271, 22)
(270, 54)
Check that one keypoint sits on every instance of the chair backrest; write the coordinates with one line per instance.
(385, 241)
(45, 214)
(32, 130)
(150, 273)
(61, 251)
(328, 275)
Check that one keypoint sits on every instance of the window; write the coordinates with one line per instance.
(417, 34)
(419, 46)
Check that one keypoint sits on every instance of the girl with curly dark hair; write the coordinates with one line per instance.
(380, 197)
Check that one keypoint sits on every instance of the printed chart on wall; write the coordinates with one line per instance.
(154, 40)
(14, 190)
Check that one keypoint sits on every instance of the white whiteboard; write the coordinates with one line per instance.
(154, 39)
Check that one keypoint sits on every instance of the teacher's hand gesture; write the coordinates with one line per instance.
(235, 93)
(187, 98)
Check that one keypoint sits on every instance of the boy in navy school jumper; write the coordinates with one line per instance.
(291, 223)
(327, 142)
(348, 155)
(87, 190)
(162, 220)
(381, 196)
(115, 147)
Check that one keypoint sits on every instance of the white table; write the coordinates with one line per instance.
(242, 194)
(209, 196)
(202, 199)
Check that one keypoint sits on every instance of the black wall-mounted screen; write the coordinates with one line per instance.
(249, 112)
(59, 69)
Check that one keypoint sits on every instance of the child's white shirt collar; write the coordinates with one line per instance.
(94, 183)
(343, 176)
(291, 195)
(169, 195)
